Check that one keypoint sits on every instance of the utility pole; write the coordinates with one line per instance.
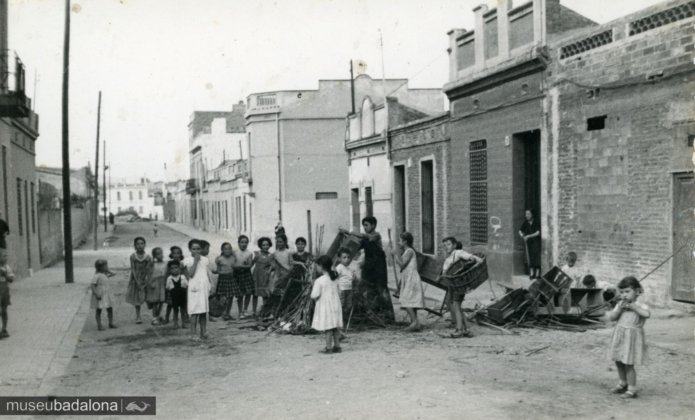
(96, 175)
(67, 221)
(104, 186)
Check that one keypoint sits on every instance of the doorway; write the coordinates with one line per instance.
(399, 198)
(355, 205)
(526, 188)
(683, 269)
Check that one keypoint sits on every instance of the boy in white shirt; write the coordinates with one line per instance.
(346, 278)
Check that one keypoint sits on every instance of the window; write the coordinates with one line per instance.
(20, 229)
(140, 195)
(265, 100)
(326, 195)
(427, 204)
(33, 212)
(4, 181)
(368, 201)
(244, 213)
(141, 210)
(596, 123)
(478, 191)
(130, 195)
(118, 195)
(226, 214)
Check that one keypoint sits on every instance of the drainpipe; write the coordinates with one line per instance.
(277, 131)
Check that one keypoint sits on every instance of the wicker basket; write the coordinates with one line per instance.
(464, 276)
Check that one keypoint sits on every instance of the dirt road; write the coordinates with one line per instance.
(388, 373)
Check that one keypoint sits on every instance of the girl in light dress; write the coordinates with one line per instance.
(328, 314)
(198, 288)
(140, 272)
(261, 272)
(102, 295)
(156, 285)
(628, 347)
(412, 294)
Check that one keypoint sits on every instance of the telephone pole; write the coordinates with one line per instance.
(67, 216)
(96, 176)
(103, 187)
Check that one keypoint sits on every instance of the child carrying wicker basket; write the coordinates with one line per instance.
(455, 296)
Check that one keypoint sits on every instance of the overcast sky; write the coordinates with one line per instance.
(156, 61)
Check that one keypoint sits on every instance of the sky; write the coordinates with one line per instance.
(156, 61)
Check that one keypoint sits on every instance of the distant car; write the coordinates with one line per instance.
(145, 219)
(134, 219)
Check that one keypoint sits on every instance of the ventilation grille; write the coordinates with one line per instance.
(662, 18)
(478, 191)
(587, 44)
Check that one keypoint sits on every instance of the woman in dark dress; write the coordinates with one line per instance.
(530, 232)
(373, 288)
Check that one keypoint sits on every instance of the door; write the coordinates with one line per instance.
(683, 269)
(526, 185)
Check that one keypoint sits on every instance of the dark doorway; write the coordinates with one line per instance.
(526, 184)
(683, 270)
(399, 199)
(427, 205)
(368, 203)
(355, 204)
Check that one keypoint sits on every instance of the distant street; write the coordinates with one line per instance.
(241, 373)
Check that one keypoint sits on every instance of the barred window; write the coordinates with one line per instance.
(478, 191)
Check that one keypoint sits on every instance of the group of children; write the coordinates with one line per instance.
(186, 284)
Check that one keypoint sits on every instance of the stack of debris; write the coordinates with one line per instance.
(549, 303)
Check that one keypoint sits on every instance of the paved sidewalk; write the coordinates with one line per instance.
(45, 320)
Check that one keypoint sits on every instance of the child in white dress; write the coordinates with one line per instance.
(102, 295)
(328, 314)
(198, 288)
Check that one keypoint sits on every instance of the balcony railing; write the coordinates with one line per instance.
(192, 186)
(13, 99)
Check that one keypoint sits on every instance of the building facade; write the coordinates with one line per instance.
(225, 199)
(420, 167)
(19, 130)
(496, 92)
(621, 126)
(214, 138)
(367, 143)
(133, 197)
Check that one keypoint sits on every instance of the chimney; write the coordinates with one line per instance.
(453, 52)
(480, 11)
(503, 7)
(539, 10)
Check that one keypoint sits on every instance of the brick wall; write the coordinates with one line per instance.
(616, 184)
(427, 140)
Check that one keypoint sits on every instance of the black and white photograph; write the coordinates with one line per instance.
(347, 209)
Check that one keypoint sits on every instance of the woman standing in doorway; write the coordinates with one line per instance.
(530, 232)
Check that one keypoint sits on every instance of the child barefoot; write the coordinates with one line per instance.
(242, 273)
(102, 296)
(177, 286)
(198, 287)
(140, 272)
(156, 284)
(328, 314)
(6, 277)
(227, 286)
(262, 262)
(454, 298)
(627, 345)
(412, 295)
(175, 254)
(346, 279)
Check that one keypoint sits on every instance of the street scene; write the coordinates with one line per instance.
(347, 210)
